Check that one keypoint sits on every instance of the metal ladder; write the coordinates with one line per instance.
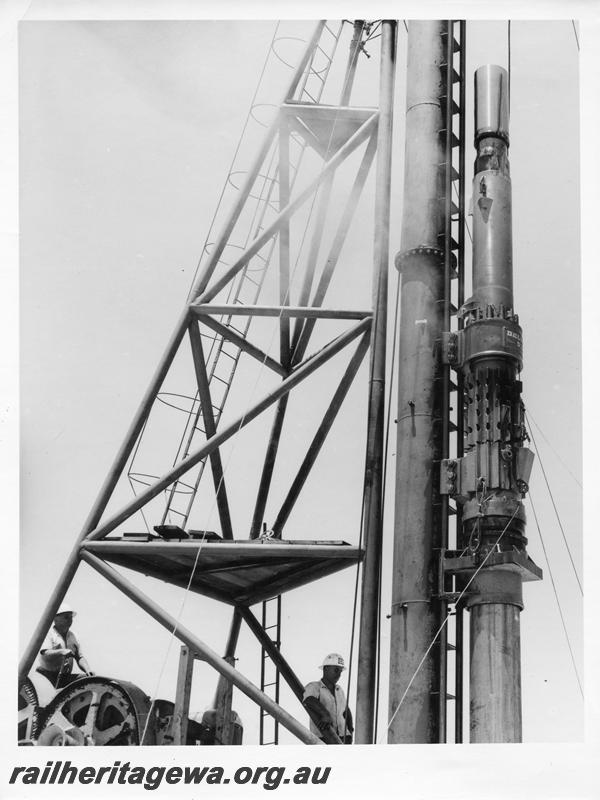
(269, 674)
(221, 355)
(452, 195)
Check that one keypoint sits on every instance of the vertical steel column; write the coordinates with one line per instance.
(373, 488)
(355, 47)
(414, 615)
(230, 648)
(223, 716)
(495, 663)
(182, 695)
(446, 198)
(459, 609)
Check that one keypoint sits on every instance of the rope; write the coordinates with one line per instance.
(237, 149)
(556, 595)
(385, 464)
(444, 622)
(575, 32)
(384, 479)
(226, 465)
(235, 286)
(354, 607)
(509, 65)
(172, 636)
(362, 519)
(466, 223)
(556, 510)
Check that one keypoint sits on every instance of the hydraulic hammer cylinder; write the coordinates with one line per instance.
(491, 479)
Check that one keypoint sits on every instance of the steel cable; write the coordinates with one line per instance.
(562, 618)
(556, 453)
(226, 465)
(555, 509)
(445, 621)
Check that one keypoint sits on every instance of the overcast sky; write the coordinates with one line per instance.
(127, 131)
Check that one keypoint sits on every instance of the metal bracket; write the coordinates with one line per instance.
(453, 348)
(454, 563)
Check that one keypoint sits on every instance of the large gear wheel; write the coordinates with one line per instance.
(97, 711)
(29, 708)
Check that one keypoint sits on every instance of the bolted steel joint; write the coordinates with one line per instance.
(408, 258)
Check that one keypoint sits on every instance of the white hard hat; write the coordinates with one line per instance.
(333, 660)
(65, 609)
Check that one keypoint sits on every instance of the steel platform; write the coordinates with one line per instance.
(234, 572)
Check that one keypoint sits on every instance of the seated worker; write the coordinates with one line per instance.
(59, 650)
(325, 702)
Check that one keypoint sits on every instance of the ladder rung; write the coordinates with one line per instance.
(453, 206)
(455, 43)
(454, 105)
(318, 47)
(454, 176)
(442, 241)
(454, 140)
(315, 74)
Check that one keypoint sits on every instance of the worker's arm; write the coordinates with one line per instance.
(347, 714)
(317, 712)
(83, 665)
(349, 721)
(55, 656)
(79, 657)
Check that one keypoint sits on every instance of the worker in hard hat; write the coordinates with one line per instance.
(325, 701)
(60, 649)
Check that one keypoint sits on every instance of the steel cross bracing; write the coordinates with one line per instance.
(224, 302)
(223, 355)
(452, 174)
